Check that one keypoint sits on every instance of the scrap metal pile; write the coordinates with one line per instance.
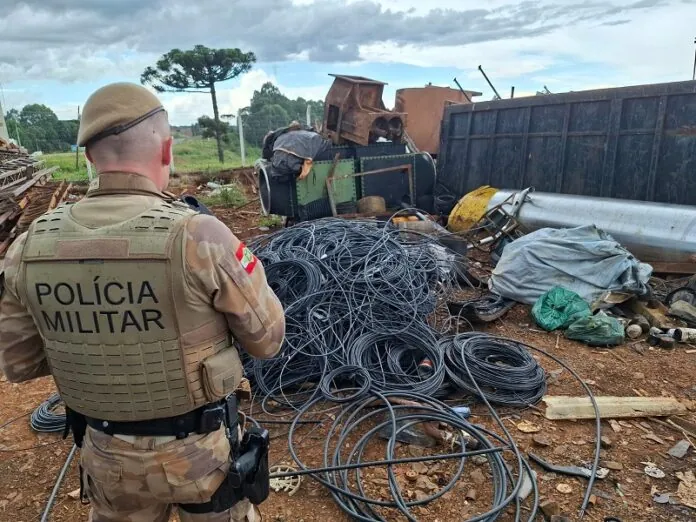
(368, 337)
(21, 199)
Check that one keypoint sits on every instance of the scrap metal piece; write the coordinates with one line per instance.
(354, 112)
(425, 106)
(651, 470)
(653, 232)
(287, 484)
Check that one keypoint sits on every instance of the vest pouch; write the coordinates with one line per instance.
(221, 374)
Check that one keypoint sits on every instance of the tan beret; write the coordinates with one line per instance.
(115, 108)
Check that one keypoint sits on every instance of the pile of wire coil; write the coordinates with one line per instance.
(504, 370)
(354, 293)
(44, 419)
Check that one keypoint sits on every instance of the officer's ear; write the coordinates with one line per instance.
(167, 151)
(88, 156)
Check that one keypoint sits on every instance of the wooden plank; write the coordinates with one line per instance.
(571, 408)
(55, 198)
(656, 316)
(37, 177)
(7, 215)
(66, 193)
(12, 172)
(673, 268)
(683, 424)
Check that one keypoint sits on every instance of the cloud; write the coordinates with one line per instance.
(568, 43)
(64, 38)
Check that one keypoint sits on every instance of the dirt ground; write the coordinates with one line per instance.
(30, 462)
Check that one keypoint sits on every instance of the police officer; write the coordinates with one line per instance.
(132, 302)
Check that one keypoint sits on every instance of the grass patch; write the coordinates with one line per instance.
(200, 155)
(270, 221)
(65, 161)
(229, 196)
(191, 155)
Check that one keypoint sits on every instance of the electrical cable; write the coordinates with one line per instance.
(44, 419)
(353, 421)
(588, 391)
(356, 293)
(504, 371)
(362, 332)
(15, 419)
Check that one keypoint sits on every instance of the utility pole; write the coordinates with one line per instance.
(309, 115)
(77, 147)
(240, 129)
(693, 76)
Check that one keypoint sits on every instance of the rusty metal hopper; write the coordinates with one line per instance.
(425, 106)
(354, 112)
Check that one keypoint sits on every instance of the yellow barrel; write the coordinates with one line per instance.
(470, 209)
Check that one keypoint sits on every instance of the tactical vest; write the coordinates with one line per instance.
(111, 305)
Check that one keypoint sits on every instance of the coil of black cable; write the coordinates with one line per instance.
(505, 370)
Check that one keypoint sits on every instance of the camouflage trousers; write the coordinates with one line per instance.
(141, 479)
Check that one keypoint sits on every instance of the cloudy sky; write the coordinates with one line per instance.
(57, 51)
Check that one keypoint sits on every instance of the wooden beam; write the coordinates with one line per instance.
(657, 317)
(55, 198)
(572, 408)
(37, 177)
(673, 268)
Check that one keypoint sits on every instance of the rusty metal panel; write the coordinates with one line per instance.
(636, 142)
(425, 107)
(355, 113)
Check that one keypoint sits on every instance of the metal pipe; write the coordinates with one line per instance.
(489, 82)
(463, 91)
(56, 486)
(650, 231)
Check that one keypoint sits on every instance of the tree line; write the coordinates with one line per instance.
(39, 128)
(268, 110)
(197, 70)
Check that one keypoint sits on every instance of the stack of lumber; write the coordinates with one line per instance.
(25, 192)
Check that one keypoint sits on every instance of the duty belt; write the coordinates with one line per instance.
(206, 419)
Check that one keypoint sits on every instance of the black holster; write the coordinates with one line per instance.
(252, 465)
(77, 423)
(248, 476)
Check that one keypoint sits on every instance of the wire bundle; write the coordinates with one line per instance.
(354, 293)
(44, 419)
(504, 370)
(406, 361)
(360, 423)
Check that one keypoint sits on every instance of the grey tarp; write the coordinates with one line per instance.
(293, 147)
(585, 260)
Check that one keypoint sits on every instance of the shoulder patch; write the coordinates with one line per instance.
(246, 258)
